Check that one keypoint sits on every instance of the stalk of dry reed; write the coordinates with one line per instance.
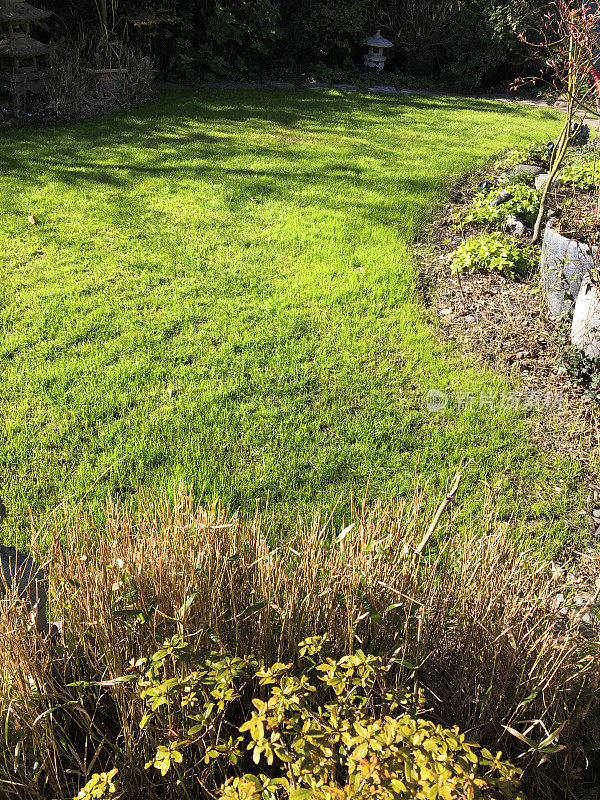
(472, 619)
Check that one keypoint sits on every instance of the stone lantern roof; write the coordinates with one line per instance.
(22, 46)
(21, 12)
(377, 41)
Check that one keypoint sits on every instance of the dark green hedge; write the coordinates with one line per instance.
(465, 43)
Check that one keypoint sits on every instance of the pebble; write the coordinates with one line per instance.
(515, 226)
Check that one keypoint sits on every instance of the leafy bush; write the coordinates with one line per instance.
(363, 740)
(100, 786)
(484, 47)
(327, 32)
(490, 252)
(202, 40)
(333, 729)
(188, 40)
(190, 694)
(582, 174)
(524, 204)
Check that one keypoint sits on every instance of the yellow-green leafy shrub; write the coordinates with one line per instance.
(101, 785)
(338, 732)
(189, 694)
(328, 729)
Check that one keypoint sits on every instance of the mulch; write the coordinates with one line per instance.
(39, 112)
(501, 323)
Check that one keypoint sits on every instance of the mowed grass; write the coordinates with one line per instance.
(220, 291)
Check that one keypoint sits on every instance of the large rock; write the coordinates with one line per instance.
(506, 177)
(515, 226)
(528, 169)
(563, 264)
(20, 574)
(585, 331)
(520, 169)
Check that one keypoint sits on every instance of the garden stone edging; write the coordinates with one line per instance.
(585, 331)
(563, 263)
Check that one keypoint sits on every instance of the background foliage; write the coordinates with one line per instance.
(464, 42)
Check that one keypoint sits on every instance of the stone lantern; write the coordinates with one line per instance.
(20, 70)
(374, 57)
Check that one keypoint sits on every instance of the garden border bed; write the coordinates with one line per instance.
(501, 323)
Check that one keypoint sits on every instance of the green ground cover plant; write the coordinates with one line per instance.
(491, 252)
(220, 290)
(524, 204)
(582, 173)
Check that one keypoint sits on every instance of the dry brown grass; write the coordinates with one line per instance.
(472, 619)
(76, 92)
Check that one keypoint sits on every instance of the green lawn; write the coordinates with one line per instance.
(220, 291)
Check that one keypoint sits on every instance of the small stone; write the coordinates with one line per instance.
(502, 197)
(541, 181)
(469, 318)
(506, 177)
(528, 169)
(596, 513)
(515, 226)
(445, 311)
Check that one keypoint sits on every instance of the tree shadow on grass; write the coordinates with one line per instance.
(169, 125)
(219, 135)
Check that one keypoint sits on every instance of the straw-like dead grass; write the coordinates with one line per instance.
(472, 619)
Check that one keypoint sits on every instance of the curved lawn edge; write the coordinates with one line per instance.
(220, 291)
